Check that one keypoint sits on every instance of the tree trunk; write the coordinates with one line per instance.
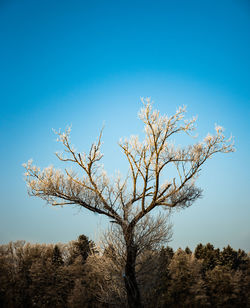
(133, 293)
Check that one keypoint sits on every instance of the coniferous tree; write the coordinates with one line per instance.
(209, 256)
(219, 286)
(57, 257)
(186, 287)
(81, 248)
(243, 262)
(188, 250)
(164, 279)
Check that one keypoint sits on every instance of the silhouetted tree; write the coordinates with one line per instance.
(81, 248)
(228, 257)
(188, 250)
(57, 257)
(209, 256)
(242, 260)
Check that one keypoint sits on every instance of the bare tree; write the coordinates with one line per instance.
(125, 201)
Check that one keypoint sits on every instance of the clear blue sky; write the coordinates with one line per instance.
(88, 62)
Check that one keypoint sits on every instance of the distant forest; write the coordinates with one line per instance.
(80, 274)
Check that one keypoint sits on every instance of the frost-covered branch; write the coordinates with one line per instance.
(127, 201)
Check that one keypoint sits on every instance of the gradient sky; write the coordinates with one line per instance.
(87, 63)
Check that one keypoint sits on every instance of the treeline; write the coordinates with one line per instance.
(79, 274)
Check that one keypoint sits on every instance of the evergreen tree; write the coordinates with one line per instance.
(186, 287)
(82, 248)
(57, 257)
(209, 256)
(243, 262)
(159, 296)
(219, 286)
(233, 259)
(188, 250)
